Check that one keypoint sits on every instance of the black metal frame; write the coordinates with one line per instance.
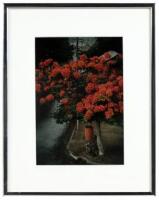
(83, 5)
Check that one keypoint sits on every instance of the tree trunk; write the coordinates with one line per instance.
(99, 139)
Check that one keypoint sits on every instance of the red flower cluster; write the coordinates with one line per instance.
(90, 88)
(65, 72)
(64, 101)
(55, 71)
(44, 84)
(46, 63)
(76, 75)
(101, 99)
(80, 107)
(92, 77)
(99, 108)
(94, 86)
(49, 98)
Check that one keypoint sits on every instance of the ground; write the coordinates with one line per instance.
(112, 139)
(52, 142)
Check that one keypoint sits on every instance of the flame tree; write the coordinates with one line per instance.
(87, 89)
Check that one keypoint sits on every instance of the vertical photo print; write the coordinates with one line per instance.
(79, 101)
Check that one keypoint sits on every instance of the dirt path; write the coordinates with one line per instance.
(52, 140)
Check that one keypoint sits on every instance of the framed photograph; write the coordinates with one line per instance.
(79, 99)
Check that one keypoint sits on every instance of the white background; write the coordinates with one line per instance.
(130, 135)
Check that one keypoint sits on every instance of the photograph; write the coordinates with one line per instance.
(79, 101)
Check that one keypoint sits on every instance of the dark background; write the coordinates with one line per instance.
(61, 48)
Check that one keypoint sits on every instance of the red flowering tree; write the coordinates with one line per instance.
(88, 89)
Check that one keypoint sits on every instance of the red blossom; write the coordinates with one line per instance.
(47, 62)
(46, 88)
(116, 89)
(102, 89)
(109, 113)
(49, 98)
(92, 77)
(83, 57)
(99, 67)
(88, 115)
(64, 101)
(56, 64)
(116, 108)
(76, 75)
(120, 83)
(99, 108)
(95, 98)
(81, 63)
(109, 92)
(74, 64)
(38, 88)
(65, 72)
(62, 93)
(95, 59)
(112, 62)
(110, 104)
(119, 78)
(90, 88)
(105, 57)
(88, 105)
(87, 101)
(55, 71)
(80, 107)
(52, 84)
(91, 64)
